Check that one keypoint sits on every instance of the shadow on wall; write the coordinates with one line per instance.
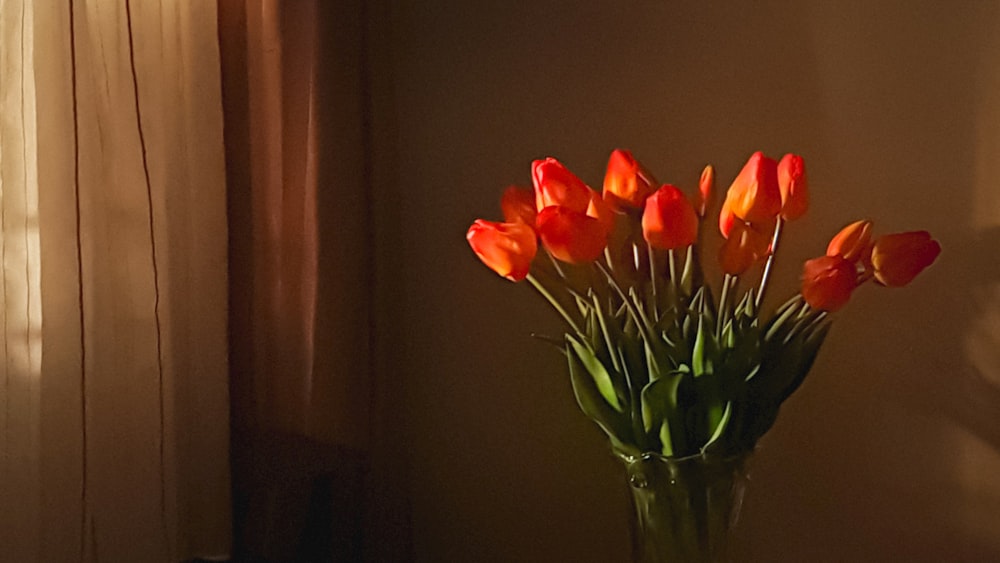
(902, 416)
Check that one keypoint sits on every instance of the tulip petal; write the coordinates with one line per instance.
(851, 242)
(828, 281)
(626, 183)
(898, 258)
(555, 185)
(669, 220)
(726, 218)
(518, 205)
(744, 246)
(754, 195)
(506, 248)
(706, 189)
(734, 257)
(600, 210)
(793, 186)
(571, 236)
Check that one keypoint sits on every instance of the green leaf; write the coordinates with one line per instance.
(666, 442)
(609, 340)
(659, 407)
(658, 397)
(687, 277)
(720, 428)
(777, 325)
(704, 352)
(810, 350)
(598, 373)
(784, 365)
(592, 402)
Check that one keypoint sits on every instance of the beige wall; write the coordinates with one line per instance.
(891, 450)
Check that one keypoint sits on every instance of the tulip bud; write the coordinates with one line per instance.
(898, 258)
(626, 183)
(754, 195)
(827, 282)
(669, 220)
(851, 242)
(506, 248)
(571, 236)
(518, 205)
(706, 188)
(555, 185)
(793, 186)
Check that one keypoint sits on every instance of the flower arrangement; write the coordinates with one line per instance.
(658, 362)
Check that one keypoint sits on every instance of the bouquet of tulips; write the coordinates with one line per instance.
(655, 359)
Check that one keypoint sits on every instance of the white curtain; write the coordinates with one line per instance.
(113, 348)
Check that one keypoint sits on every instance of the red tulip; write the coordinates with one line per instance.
(518, 205)
(555, 185)
(669, 220)
(793, 186)
(507, 248)
(851, 242)
(626, 183)
(571, 236)
(898, 258)
(754, 195)
(706, 188)
(827, 282)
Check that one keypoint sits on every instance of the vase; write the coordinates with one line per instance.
(684, 509)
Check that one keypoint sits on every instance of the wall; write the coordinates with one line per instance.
(891, 449)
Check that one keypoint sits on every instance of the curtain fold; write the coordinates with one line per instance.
(115, 399)
(19, 290)
(315, 477)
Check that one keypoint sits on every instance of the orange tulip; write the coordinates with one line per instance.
(518, 205)
(507, 248)
(669, 220)
(793, 186)
(555, 185)
(706, 187)
(626, 183)
(851, 242)
(898, 258)
(571, 236)
(744, 246)
(827, 282)
(754, 195)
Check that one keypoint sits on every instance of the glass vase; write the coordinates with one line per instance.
(684, 509)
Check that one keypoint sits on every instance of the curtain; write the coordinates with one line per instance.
(113, 393)
(315, 475)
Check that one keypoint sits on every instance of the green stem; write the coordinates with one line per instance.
(602, 322)
(652, 267)
(641, 322)
(722, 306)
(654, 282)
(770, 261)
(673, 267)
(555, 304)
(555, 264)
